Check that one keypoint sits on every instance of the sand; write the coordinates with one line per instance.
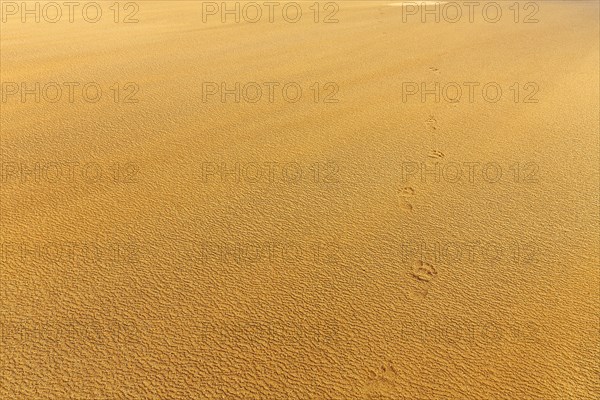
(362, 243)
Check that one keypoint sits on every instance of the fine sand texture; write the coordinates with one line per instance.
(361, 204)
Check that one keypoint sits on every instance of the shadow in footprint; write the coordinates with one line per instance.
(382, 381)
(423, 271)
(431, 123)
(403, 195)
(436, 154)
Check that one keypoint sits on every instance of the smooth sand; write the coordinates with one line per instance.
(363, 318)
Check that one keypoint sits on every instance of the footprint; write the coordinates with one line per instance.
(419, 290)
(382, 381)
(403, 193)
(405, 205)
(388, 372)
(431, 122)
(436, 154)
(423, 271)
(407, 191)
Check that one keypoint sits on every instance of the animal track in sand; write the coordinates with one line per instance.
(431, 123)
(418, 290)
(407, 191)
(423, 274)
(423, 271)
(403, 193)
(386, 372)
(405, 206)
(382, 381)
(436, 154)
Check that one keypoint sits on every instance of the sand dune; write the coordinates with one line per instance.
(349, 204)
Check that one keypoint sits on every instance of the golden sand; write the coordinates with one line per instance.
(378, 236)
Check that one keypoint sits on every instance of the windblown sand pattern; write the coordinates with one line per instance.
(352, 203)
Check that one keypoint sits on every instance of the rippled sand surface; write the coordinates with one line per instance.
(161, 240)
